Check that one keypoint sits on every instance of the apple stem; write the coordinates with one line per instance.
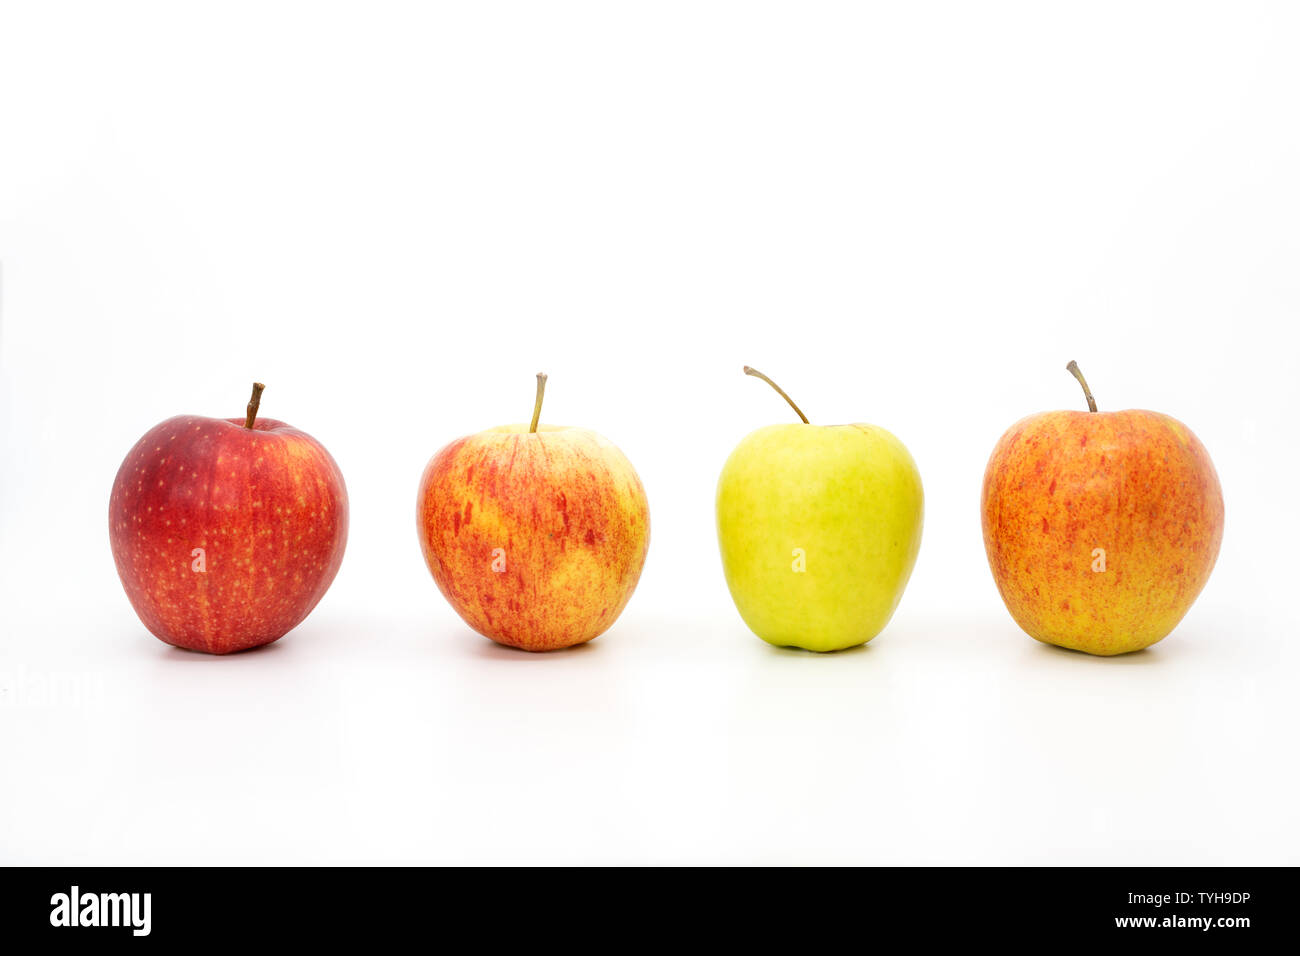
(537, 405)
(1073, 369)
(253, 403)
(780, 391)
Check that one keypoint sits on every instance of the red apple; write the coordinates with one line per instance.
(535, 536)
(226, 531)
(1101, 528)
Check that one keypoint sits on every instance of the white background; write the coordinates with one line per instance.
(394, 215)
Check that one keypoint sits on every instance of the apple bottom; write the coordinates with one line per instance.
(542, 596)
(1119, 611)
(823, 612)
(222, 610)
(218, 640)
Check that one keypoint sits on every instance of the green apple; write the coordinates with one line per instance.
(819, 527)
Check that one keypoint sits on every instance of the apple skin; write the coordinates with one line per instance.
(1136, 484)
(850, 497)
(267, 505)
(560, 511)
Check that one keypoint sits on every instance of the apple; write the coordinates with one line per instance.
(226, 532)
(819, 527)
(535, 535)
(1101, 528)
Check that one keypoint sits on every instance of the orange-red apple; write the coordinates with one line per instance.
(536, 536)
(1101, 527)
(226, 532)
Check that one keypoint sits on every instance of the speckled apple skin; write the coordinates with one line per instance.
(570, 516)
(1138, 485)
(267, 505)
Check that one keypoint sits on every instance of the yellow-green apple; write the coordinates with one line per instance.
(819, 527)
(535, 535)
(1101, 527)
(226, 532)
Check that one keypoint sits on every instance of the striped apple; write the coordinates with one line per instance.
(536, 535)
